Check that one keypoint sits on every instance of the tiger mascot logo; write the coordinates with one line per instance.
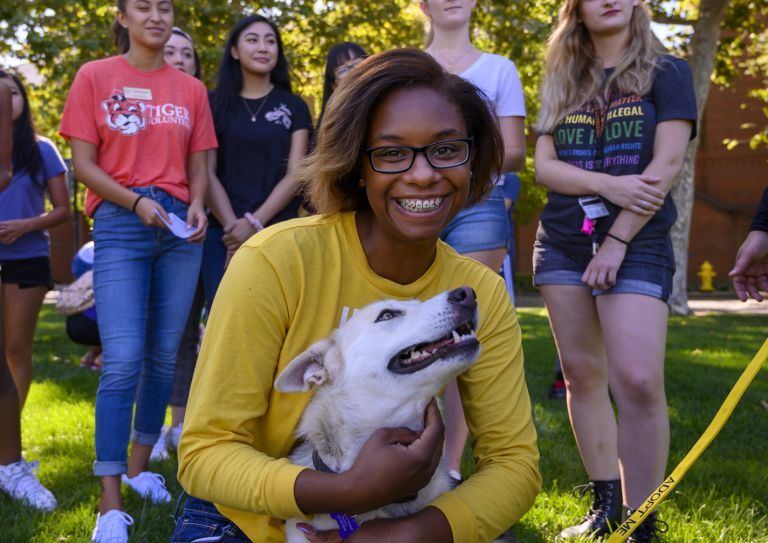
(124, 115)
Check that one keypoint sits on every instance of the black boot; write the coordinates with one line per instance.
(648, 531)
(604, 514)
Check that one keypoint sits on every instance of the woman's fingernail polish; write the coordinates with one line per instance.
(306, 529)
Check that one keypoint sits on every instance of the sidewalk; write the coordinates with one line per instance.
(700, 304)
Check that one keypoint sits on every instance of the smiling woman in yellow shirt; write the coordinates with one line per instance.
(397, 157)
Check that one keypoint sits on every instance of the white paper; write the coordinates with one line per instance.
(177, 226)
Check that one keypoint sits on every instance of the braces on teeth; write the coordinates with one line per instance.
(416, 206)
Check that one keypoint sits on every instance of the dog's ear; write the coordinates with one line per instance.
(306, 369)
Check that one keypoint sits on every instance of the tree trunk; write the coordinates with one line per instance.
(704, 42)
(682, 195)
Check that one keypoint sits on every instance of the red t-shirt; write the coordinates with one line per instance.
(145, 124)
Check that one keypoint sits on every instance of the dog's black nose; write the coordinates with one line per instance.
(463, 296)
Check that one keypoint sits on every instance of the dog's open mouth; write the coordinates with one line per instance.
(418, 357)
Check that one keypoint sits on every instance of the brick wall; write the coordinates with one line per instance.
(728, 183)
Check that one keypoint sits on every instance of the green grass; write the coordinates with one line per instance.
(724, 498)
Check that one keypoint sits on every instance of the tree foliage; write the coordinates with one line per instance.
(57, 36)
(741, 48)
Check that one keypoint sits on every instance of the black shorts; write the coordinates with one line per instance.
(83, 329)
(27, 272)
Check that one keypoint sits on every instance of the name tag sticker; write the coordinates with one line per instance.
(136, 93)
(593, 207)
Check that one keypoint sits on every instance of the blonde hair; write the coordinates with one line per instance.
(574, 74)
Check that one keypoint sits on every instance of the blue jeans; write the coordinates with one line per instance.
(482, 227)
(214, 256)
(644, 274)
(144, 280)
(201, 522)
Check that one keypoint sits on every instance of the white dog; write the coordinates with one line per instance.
(379, 369)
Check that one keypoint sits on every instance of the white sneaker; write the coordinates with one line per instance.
(174, 435)
(160, 448)
(149, 485)
(112, 527)
(19, 480)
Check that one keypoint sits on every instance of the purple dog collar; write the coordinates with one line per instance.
(347, 524)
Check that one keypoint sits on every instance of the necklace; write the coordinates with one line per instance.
(452, 62)
(261, 106)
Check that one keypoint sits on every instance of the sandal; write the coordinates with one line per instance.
(98, 362)
(86, 361)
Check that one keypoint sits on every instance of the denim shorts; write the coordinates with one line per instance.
(482, 227)
(27, 272)
(553, 266)
(201, 522)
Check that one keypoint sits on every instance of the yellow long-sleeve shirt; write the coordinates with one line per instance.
(286, 288)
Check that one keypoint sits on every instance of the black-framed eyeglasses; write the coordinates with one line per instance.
(342, 71)
(440, 155)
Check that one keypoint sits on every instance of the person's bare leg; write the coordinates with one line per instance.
(492, 258)
(138, 460)
(24, 305)
(10, 417)
(110, 497)
(177, 415)
(456, 431)
(635, 329)
(576, 327)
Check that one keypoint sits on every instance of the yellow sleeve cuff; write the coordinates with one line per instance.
(280, 487)
(462, 520)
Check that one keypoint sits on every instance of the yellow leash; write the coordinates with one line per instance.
(652, 502)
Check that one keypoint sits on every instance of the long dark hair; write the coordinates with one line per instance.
(338, 55)
(119, 32)
(26, 153)
(230, 79)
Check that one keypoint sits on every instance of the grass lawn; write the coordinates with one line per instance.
(724, 498)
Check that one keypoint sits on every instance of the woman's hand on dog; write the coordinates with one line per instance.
(426, 526)
(393, 464)
(373, 531)
(396, 463)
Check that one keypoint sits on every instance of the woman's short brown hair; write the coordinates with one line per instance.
(330, 175)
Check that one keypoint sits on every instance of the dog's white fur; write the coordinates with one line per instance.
(357, 393)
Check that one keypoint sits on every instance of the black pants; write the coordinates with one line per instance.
(82, 329)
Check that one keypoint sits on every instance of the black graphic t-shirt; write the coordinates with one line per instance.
(618, 141)
(760, 220)
(253, 156)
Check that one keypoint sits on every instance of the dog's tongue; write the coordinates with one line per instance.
(432, 347)
(426, 350)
